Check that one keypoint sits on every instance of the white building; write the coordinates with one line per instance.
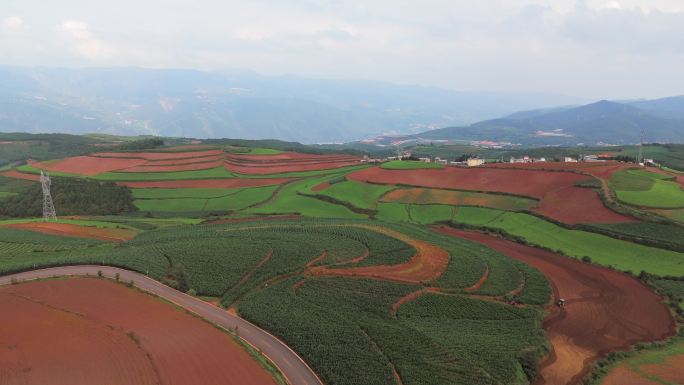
(474, 162)
(568, 159)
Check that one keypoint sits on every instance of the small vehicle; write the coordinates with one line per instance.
(560, 302)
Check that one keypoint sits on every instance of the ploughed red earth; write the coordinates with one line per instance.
(86, 331)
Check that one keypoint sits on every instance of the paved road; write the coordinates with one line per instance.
(290, 364)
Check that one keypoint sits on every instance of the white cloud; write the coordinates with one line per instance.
(12, 22)
(85, 44)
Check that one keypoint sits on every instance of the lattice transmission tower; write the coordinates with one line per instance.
(49, 213)
(640, 157)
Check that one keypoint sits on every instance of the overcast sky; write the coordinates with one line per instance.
(593, 48)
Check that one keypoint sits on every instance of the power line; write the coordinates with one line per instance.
(48, 207)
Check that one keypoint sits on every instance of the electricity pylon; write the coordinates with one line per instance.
(49, 213)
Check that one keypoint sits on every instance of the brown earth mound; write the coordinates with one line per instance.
(76, 231)
(605, 310)
(428, 264)
(207, 183)
(82, 331)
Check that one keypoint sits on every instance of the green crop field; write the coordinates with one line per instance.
(604, 250)
(264, 151)
(641, 188)
(182, 200)
(289, 201)
(358, 194)
(212, 173)
(409, 165)
(237, 261)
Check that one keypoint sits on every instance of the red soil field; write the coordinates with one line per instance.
(207, 183)
(604, 311)
(519, 182)
(680, 180)
(87, 165)
(158, 155)
(450, 197)
(557, 187)
(574, 205)
(76, 231)
(179, 167)
(252, 169)
(176, 162)
(428, 264)
(20, 175)
(290, 156)
(602, 170)
(84, 331)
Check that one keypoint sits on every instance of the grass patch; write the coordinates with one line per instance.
(212, 173)
(409, 165)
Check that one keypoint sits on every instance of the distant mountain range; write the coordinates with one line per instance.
(600, 123)
(237, 104)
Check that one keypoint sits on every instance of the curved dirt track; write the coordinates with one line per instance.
(427, 264)
(290, 364)
(605, 310)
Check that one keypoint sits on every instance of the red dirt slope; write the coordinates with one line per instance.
(82, 331)
(76, 231)
(20, 175)
(87, 165)
(605, 310)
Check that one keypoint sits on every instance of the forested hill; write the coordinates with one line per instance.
(603, 122)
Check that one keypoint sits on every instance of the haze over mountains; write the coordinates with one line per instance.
(243, 104)
(238, 104)
(598, 123)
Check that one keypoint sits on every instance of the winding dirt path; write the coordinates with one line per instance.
(428, 264)
(605, 310)
(288, 362)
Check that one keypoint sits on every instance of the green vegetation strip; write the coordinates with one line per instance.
(409, 165)
(647, 189)
(607, 251)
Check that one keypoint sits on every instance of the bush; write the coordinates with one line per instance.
(99, 273)
(191, 292)
(586, 259)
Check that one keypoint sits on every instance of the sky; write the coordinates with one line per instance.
(617, 49)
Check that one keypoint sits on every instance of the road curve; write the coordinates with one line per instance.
(296, 371)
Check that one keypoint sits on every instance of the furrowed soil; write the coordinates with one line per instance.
(69, 230)
(87, 165)
(85, 331)
(605, 310)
